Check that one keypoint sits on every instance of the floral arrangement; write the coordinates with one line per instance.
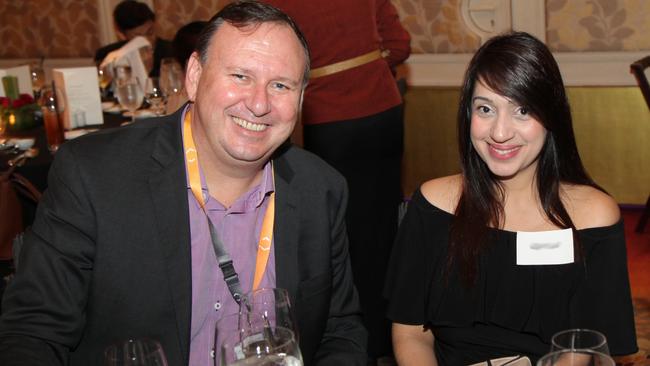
(18, 113)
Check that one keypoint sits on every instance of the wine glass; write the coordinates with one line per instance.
(271, 307)
(104, 77)
(38, 79)
(130, 94)
(578, 357)
(579, 339)
(171, 76)
(260, 346)
(153, 94)
(135, 352)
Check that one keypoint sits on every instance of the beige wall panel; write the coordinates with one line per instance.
(612, 127)
(430, 148)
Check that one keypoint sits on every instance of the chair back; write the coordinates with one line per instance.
(641, 71)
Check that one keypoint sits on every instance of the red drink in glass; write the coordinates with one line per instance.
(53, 129)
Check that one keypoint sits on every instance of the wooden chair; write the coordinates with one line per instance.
(640, 70)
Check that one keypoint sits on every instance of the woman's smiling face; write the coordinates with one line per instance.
(506, 137)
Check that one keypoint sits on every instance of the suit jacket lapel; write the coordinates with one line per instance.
(286, 228)
(168, 193)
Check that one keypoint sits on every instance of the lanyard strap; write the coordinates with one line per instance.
(223, 258)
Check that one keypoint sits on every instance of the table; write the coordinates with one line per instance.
(36, 169)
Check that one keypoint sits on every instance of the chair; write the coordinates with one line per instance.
(640, 71)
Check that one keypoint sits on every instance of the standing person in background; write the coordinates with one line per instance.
(353, 118)
(132, 18)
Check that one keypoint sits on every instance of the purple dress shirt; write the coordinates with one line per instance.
(239, 229)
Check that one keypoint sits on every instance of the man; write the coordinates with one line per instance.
(121, 247)
(132, 18)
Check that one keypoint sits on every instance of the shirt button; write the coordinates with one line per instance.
(212, 354)
(217, 306)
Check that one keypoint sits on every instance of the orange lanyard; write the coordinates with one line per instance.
(193, 171)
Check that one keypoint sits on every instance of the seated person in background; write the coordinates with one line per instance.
(464, 284)
(183, 45)
(132, 18)
(185, 40)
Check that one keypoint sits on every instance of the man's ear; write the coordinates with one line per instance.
(192, 76)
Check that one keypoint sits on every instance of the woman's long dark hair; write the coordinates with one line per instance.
(522, 69)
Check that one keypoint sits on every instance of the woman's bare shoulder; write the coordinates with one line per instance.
(443, 192)
(589, 207)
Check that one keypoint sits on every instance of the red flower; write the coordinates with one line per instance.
(18, 103)
(27, 98)
(4, 101)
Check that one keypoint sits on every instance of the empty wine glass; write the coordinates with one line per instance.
(581, 357)
(154, 95)
(135, 352)
(260, 346)
(270, 306)
(579, 339)
(129, 94)
(38, 79)
(171, 76)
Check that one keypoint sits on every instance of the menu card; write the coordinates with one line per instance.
(77, 93)
(24, 79)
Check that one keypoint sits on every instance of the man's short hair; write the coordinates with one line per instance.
(247, 13)
(130, 14)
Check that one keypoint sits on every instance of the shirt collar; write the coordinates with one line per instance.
(266, 186)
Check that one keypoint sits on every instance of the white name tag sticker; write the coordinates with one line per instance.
(544, 247)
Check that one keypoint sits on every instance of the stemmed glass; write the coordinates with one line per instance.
(129, 94)
(104, 77)
(38, 79)
(579, 339)
(154, 95)
(260, 346)
(269, 306)
(579, 357)
(135, 352)
(170, 76)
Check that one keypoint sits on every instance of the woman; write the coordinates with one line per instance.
(481, 267)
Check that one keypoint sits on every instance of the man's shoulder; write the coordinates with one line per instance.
(306, 166)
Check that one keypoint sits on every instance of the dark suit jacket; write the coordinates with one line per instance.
(162, 49)
(108, 256)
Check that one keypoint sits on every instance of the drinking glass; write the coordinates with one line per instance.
(171, 76)
(579, 357)
(135, 352)
(269, 306)
(154, 95)
(38, 78)
(260, 346)
(579, 339)
(129, 94)
(104, 77)
(53, 127)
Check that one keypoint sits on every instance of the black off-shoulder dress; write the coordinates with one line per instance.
(512, 309)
